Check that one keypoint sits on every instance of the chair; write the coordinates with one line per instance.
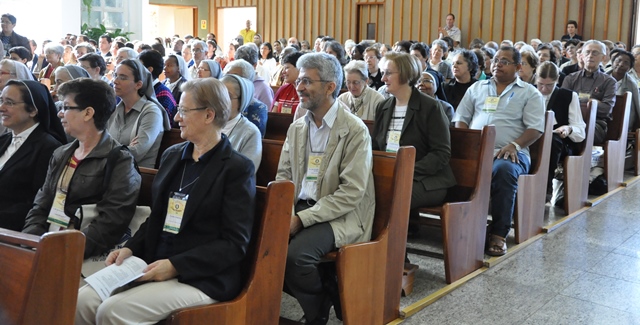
(464, 215)
(169, 138)
(532, 187)
(576, 168)
(370, 273)
(39, 277)
(259, 301)
(615, 146)
(278, 125)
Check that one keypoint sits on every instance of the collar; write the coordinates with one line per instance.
(518, 82)
(231, 124)
(155, 82)
(25, 134)
(329, 118)
(187, 153)
(593, 74)
(137, 106)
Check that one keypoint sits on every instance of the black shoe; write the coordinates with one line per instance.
(323, 314)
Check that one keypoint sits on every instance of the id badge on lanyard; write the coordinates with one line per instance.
(57, 217)
(393, 141)
(175, 212)
(491, 105)
(313, 167)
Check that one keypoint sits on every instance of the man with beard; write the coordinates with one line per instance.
(327, 155)
(516, 108)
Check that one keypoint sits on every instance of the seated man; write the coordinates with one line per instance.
(516, 109)
(327, 154)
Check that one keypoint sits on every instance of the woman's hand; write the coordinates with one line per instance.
(134, 141)
(118, 256)
(160, 270)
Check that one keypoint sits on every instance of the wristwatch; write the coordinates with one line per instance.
(515, 144)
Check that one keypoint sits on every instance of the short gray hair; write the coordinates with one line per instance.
(247, 53)
(357, 66)
(247, 70)
(54, 48)
(210, 93)
(87, 45)
(129, 52)
(442, 44)
(328, 67)
(593, 41)
(195, 42)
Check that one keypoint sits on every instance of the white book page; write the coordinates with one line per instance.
(115, 276)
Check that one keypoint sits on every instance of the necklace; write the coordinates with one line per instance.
(182, 179)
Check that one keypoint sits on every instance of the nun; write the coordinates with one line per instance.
(176, 73)
(209, 69)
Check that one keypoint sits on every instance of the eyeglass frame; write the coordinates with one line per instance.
(307, 81)
(180, 110)
(503, 62)
(10, 103)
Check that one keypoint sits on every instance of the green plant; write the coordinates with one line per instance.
(94, 33)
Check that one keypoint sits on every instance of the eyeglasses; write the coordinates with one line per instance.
(197, 50)
(388, 73)
(2, 73)
(66, 108)
(589, 52)
(354, 83)
(502, 61)
(306, 81)
(9, 103)
(183, 111)
(425, 81)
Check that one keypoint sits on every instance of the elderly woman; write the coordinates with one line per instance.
(209, 69)
(139, 120)
(286, 98)
(53, 53)
(438, 49)
(335, 48)
(529, 64)
(76, 174)
(243, 135)
(36, 132)
(267, 61)
(10, 69)
(569, 129)
(427, 84)
(465, 66)
(200, 262)
(623, 61)
(361, 100)
(176, 73)
(64, 74)
(411, 118)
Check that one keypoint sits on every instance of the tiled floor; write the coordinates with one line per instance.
(586, 272)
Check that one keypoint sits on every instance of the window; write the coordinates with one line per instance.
(110, 13)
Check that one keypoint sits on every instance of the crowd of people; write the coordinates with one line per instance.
(68, 109)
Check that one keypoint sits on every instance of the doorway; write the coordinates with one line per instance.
(370, 22)
(231, 21)
(168, 20)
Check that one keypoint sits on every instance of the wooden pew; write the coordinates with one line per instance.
(39, 277)
(271, 150)
(370, 273)
(169, 138)
(532, 187)
(464, 215)
(576, 168)
(148, 174)
(615, 146)
(369, 124)
(277, 125)
(635, 153)
(259, 301)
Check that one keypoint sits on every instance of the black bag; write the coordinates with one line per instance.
(598, 186)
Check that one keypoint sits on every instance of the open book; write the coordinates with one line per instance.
(105, 281)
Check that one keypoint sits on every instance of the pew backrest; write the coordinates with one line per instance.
(277, 125)
(169, 138)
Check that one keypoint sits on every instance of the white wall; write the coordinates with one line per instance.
(53, 19)
(228, 29)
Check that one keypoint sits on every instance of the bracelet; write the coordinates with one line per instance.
(515, 144)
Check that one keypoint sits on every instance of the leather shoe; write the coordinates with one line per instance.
(323, 314)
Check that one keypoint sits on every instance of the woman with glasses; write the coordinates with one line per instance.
(464, 67)
(427, 84)
(28, 110)
(10, 69)
(139, 120)
(411, 118)
(243, 135)
(64, 74)
(209, 69)
(361, 100)
(76, 174)
(194, 258)
(529, 64)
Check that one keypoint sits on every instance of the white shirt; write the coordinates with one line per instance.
(16, 143)
(575, 117)
(171, 85)
(316, 144)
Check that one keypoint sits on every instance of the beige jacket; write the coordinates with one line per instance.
(345, 181)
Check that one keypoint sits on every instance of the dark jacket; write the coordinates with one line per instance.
(116, 204)
(23, 175)
(425, 127)
(17, 40)
(216, 226)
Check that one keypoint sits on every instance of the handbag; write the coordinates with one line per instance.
(88, 212)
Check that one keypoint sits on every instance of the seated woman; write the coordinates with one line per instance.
(200, 263)
(436, 62)
(53, 52)
(76, 172)
(68, 57)
(267, 62)
(569, 129)
(286, 98)
(176, 73)
(465, 66)
(529, 64)
(622, 62)
(139, 120)
(480, 75)
(10, 70)
(64, 74)
(427, 85)
(361, 100)
(411, 118)
(243, 135)
(25, 151)
(209, 69)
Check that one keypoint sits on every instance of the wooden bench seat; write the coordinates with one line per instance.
(464, 215)
(615, 146)
(39, 277)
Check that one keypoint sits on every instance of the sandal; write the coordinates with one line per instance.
(497, 245)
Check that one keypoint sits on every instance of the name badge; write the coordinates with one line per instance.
(584, 97)
(57, 217)
(393, 141)
(175, 212)
(491, 104)
(286, 108)
(313, 167)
